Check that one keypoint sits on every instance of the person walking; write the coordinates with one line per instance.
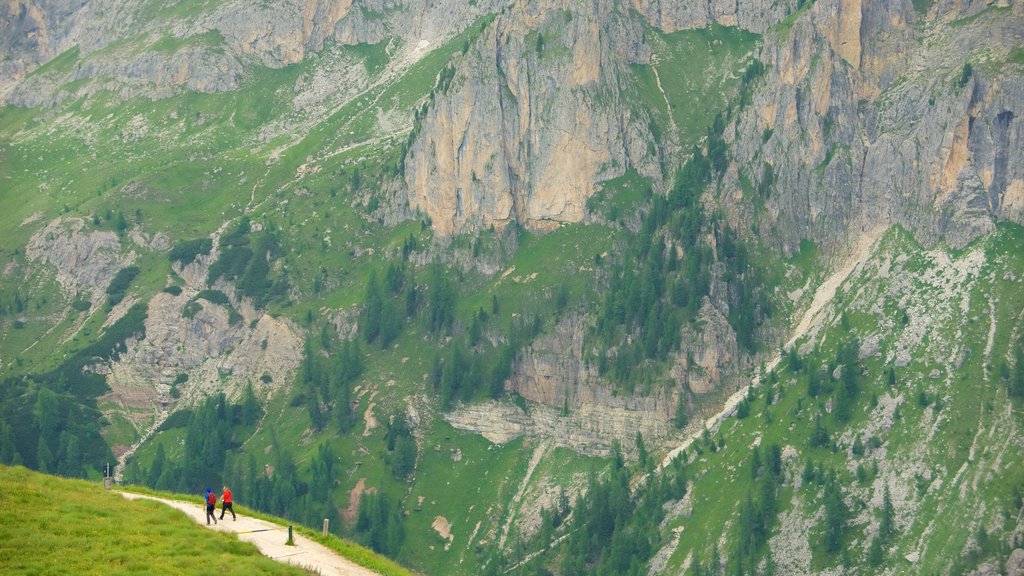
(225, 504)
(211, 506)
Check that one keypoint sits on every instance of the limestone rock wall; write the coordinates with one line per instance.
(534, 116)
(115, 39)
(85, 260)
(753, 15)
(216, 354)
(571, 404)
(878, 124)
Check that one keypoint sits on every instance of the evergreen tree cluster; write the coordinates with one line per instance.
(758, 513)
(380, 523)
(245, 259)
(613, 530)
(209, 440)
(325, 381)
(402, 446)
(281, 490)
(461, 373)
(50, 422)
(209, 458)
(847, 356)
(833, 526)
(1015, 379)
(49, 430)
(666, 271)
(886, 532)
(390, 302)
(187, 251)
(119, 285)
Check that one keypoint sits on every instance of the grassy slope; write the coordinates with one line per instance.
(951, 471)
(699, 72)
(50, 525)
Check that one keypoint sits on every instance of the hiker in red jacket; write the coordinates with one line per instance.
(211, 506)
(225, 504)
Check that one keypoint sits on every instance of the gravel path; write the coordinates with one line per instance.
(270, 539)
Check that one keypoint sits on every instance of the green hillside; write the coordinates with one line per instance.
(888, 442)
(215, 266)
(51, 525)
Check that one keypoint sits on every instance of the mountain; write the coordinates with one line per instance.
(458, 276)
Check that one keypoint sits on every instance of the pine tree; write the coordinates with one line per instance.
(616, 454)
(886, 531)
(44, 457)
(819, 435)
(680, 419)
(1016, 384)
(836, 514)
(755, 463)
(250, 406)
(69, 455)
(641, 450)
(47, 414)
(373, 309)
(875, 553)
(8, 448)
(405, 458)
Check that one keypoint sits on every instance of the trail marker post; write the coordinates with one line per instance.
(327, 523)
(291, 541)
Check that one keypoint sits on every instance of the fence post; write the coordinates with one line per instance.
(291, 541)
(327, 523)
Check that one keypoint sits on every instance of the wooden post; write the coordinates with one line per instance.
(291, 541)
(327, 523)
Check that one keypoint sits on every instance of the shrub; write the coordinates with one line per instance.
(186, 252)
(119, 285)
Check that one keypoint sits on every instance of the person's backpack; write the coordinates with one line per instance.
(211, 499)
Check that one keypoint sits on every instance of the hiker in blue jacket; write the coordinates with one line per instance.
(211, 505)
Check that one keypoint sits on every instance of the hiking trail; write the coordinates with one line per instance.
(270, 539)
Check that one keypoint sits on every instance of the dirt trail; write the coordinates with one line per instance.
(270, 539)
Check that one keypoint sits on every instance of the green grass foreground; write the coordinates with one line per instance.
(51, 525)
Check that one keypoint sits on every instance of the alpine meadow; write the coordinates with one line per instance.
(514, 287)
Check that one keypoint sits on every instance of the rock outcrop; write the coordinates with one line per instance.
(85, 260)
(904, 118)
(133, 49)
(570, 403)
(529, 120)
(217, 353)
(755, 15)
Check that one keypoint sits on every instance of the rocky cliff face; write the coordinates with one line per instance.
(754, 15)
(533, 116)
(217, 353)
(876, 115)
(576, 408)
(85, 260)
(135, 49)
(868, 116)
